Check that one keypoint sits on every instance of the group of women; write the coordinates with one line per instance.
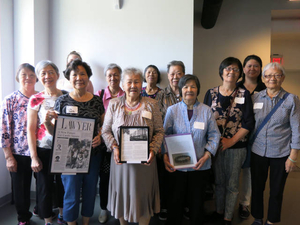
(228, 129)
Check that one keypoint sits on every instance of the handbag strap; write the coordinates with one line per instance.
(267, 118)
(102, 93)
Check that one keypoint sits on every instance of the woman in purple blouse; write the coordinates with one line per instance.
(14, 140)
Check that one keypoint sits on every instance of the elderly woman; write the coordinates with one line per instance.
(152, 77)
(170, 95)
(64, 84)
(133, 188)
(189, 184)
(276, 141)
(251, 81)
(84, 104)
(40, 141)
(232, 108)
(13, 122)
(167, 97)
(113, 77)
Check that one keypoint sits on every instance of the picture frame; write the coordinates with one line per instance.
(134, 144)
(72, 144)
(181, 150)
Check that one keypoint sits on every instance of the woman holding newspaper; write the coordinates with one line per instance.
(190, 116)
(80, 103)
(276, 141)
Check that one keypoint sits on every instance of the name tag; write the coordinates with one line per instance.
(72, 109)
(147, 115)
(258, 105)
(239, 100)
(199, 125)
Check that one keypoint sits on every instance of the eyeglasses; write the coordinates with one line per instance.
(229, 69)
(269, 76)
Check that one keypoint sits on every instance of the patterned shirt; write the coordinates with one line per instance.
(240, 115)
(41, 103)
(115, 117)
(177, 122)
(282, 131)
(144, 93)
(166, 98)
(92, 109)
(14, 123)
(107, 96)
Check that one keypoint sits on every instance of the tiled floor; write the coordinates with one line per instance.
(290, 211)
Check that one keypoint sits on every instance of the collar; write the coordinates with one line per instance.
(280, 93)
(185, 105)
(108, 94)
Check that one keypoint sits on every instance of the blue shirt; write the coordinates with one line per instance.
(177, 122)
(282, 131)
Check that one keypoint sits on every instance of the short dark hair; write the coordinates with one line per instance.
(73, 67)
(176, 63)
(183, 80)
(157, 71)
(257, 59)
(27, 66)
(229, 61)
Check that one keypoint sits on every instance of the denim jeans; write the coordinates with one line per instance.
(227, 168)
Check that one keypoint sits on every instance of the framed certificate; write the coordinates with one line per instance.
(181, 150)
(134, 144)
(72, 144)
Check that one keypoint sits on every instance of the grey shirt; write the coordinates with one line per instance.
(282, 131)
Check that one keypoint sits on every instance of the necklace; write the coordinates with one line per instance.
(129, 109)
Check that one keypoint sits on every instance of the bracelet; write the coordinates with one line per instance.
(292, 160)
(209, 154)
(114, 147)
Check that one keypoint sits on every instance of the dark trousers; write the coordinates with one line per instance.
(259, 174)
(21, 181)
(45, 184)
(188, 186)
(104, 179)
(163, 175)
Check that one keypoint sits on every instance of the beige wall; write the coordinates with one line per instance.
(243, 28)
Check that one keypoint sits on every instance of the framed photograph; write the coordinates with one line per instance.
(134, 144)
(72, 144)
(181, 150)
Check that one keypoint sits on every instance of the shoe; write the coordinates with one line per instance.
(227, 222)
(48, 223)
(186, 213)
(35, 211)
(244, 211)
(60, 220)
(266, 223)
(163, 214)
(257, 222)
(24, 223)
(103, 216)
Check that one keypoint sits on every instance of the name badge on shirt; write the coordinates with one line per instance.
(238, 100)
(147, 115)
(199, 125)
(72, 109)
(258, 105)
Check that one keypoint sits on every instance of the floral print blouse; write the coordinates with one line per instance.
(41, 103)
(13, 121)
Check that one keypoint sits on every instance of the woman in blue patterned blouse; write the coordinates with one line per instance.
(276, 146)
(188, 185)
